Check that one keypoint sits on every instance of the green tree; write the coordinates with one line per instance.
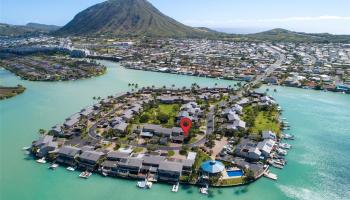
(163, 118)
(144, 118)
(42, 131)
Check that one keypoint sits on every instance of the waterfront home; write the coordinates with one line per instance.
(151, 163)
(67, 155)
(256, 168)
(44, 145)
(169, 171)
(109, 167)
(269, 135)
(187, 165)
(130, 166)
(266, 147)
(57, 130)
(88, 160)
(117, 155)
(87, 112)
(72, 120)
(248, 149)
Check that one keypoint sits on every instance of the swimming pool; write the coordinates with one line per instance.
(233, 173)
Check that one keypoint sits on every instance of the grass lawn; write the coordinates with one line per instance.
(262, 120)
(201, 157)
(231, 181)
(169, 109)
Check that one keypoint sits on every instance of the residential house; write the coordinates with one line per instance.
(169, 171)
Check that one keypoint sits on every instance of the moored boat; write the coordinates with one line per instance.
(144, 184)
(85, 174)
(70, 169)
(204, 190)
(41, 160)
(270, 175)
(175, 188)
(53, 166)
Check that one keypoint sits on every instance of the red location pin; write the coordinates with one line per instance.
(185, 124)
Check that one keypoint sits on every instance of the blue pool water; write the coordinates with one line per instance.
(235, 173)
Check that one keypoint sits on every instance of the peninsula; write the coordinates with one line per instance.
(234, 138)
(8, 92)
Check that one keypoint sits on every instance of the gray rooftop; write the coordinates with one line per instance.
(69, 151)
(152, 160)
(170, 166)
(91, 155)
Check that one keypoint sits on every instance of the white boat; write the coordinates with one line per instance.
(277, 166)
(285, 146)
(41, 160)
(70, 169)
(175, 188)
(282, 152)
(25, 148)
(53, 166)
(144, 184)
(204, 190)
(85, 174)
(270, 175)
(288, 136)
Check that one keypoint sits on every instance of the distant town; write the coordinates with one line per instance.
(311, 66)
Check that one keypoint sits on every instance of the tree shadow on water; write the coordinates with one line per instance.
(241, 190)
(187, 188)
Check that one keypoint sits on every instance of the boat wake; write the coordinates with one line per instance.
(301, 193)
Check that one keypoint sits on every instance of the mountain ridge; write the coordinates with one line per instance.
(127, 18)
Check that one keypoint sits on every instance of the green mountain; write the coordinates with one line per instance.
(128, 18)
(282, 35)
(27, 30)
(43, 27)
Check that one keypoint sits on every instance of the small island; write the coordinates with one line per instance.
(235, 137)
(8, 92)
(57, 67)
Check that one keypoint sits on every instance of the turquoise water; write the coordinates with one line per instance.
(318, 165)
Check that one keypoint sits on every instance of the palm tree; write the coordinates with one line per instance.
(173, 85)
(136, 85)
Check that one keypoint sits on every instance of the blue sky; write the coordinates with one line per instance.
(331, 16)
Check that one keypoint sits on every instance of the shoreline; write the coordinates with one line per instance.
(9, 92)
